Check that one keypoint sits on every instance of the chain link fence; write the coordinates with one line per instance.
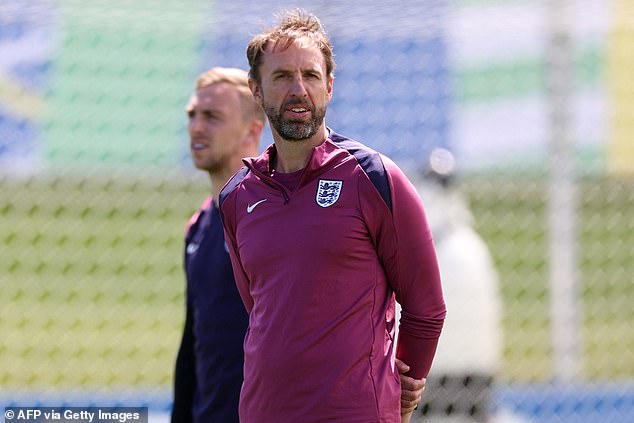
(96, 185)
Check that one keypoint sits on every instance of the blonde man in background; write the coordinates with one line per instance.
(225, 125)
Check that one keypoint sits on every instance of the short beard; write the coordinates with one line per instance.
(293, 130)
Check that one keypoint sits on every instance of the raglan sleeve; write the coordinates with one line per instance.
(229, 222)
(406, 249)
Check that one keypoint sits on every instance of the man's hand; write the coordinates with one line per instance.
(411, 391)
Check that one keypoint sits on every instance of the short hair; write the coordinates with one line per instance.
(295, 24)
(239, 79)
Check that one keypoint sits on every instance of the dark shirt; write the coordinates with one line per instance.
(208, 374)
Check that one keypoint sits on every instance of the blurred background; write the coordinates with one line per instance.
(533, 98)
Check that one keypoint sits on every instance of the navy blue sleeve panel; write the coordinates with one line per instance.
(371, 163)
(235, 180)
(185, 375)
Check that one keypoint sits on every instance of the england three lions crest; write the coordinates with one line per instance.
(328, 192)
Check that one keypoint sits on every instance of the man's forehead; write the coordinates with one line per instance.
(285, 52)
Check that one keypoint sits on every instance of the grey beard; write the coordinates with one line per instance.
(294, 131)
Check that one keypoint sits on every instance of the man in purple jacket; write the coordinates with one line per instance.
(225, 124)
(324, 233)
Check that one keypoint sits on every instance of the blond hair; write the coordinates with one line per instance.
(294, 24)
(239, 79)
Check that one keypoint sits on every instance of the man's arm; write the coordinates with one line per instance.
(405, 247)
(185, 374)
(415, 277)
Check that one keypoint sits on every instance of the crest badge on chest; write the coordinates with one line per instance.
(328, 192)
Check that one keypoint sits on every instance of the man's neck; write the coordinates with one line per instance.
(293, 155)
(218, 181)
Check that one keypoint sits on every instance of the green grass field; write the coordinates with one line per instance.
(92, 282)
(512, 218)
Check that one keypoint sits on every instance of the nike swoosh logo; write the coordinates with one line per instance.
(250, 207)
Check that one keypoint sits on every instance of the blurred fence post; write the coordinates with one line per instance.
(562, 196)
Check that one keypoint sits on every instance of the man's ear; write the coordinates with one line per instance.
(331, 81)
(251, 142)
(255, 90)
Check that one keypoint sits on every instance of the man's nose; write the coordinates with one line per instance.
(298, 88)
(195, 124)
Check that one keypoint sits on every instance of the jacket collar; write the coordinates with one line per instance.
(322, 158)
